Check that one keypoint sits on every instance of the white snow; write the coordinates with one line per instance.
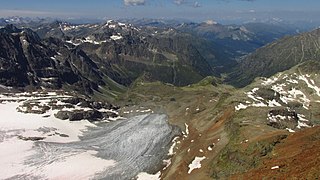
(76, 44)
(146, 176)
(171, 149)
(241, 106)
(167, 162)
(251, 96)
(293, 81)
(35, 108)
(297, 94)
(275, 167)
(196, 164)
(13, 153)
(260, 104)
(112, 26)
(187, 128)
(116, 118)
(144, 111)
(121, 24)
(290, 130)
(301, 122)
(302, 117)
(73, 166)
(200, 150)
(310, 85)
(276, 118)
(4, 87)
(116, 37)
(273, 103)
(254, 90)
(32, 122)
(269, 81)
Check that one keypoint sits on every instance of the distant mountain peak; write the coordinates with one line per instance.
(211, 22)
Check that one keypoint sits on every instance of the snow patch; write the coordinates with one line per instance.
(269, 81)
(146, 176)
(196, 164)
(273, 103)
(116, 37)
(171, 149)
(73, 167)
(241, 106)
(187, 128)
(290, 130)
(310, 85)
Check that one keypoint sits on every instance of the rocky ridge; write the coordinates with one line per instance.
(277, 56)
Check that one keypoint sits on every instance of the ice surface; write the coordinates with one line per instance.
(80, 149)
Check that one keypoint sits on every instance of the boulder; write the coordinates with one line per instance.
(76, 115)
(63, 115)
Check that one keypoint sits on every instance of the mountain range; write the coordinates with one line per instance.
(242, 100)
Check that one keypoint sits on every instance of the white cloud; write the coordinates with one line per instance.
(34, 13)
(179, 2)
(134, 2)
(194, 4)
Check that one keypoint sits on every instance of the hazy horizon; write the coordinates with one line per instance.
(194, 10)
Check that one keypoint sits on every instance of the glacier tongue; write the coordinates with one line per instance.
(36, 146)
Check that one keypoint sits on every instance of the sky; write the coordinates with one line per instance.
(196, 10)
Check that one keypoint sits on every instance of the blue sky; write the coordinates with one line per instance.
(186, 9)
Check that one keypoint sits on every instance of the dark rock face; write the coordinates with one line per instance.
(85, 103)
(77, 115)
(82, 59)
(93, 114)
(268, 94)
(283, 118)
(26, 61)
(31, 138)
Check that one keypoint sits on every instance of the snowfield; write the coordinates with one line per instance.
(40, 146)
(16, 153)
(291, 88)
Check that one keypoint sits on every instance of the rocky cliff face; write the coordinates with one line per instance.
(28, 61)
(83, 57)
(127, 52)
